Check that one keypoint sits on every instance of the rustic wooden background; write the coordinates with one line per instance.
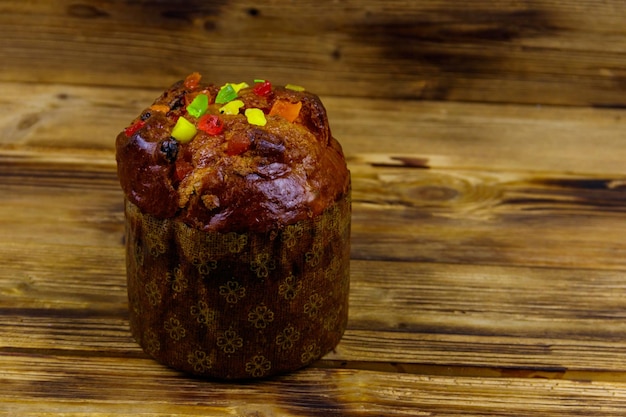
(569, 52)
(485, 141)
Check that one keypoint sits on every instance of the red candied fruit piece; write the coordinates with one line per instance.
(183, 168)
(132, 129)
(211, 124)
(192, 81)
(237, 145)
(263, 89)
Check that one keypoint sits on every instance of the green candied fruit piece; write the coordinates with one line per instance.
(198, 106)
(227, 93)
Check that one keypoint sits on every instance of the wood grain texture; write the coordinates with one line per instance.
(485, 141)
(540, 52)
(379, 132)
(140, 388)
(508, 218)
(464, 280)
(486, 275)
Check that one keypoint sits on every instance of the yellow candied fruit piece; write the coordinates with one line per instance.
(238, 86)
(232, 107)
(184, 130)
(294, 87)
(255, 117)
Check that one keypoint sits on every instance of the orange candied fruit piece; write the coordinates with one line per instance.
(161, 108)
(237, 145)
(192, 80)
(182, 169)
(285, 109)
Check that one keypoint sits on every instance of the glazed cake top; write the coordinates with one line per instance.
(232, 158)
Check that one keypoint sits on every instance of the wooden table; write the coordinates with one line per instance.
(489, 203)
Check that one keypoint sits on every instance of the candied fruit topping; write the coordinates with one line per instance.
(255, 117)
(184, 130)
(232, 107)
(227, 93)
(192, 81)
(239, 86)
(199, 105)
(182, 169)
(211, 124)
(262, 89)
(160, 108)
(285, 109)
(200, 112)
(294, 87)
(132, 129)
(237, 145)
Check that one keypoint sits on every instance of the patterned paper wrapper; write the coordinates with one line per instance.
(238, 305)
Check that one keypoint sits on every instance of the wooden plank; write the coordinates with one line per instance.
(481, 284)
(64, 271)
(96, 386)
(403, 214)
(513, 218)
(487, 137)
(488, 256)
(71, 299)
(481, 316)
(541, 52)
(372, 132)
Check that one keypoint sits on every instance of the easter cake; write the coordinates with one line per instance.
(237, 206)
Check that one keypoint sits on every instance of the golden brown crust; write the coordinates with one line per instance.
(247, 177)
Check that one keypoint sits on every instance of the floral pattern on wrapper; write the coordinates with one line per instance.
(238, 305)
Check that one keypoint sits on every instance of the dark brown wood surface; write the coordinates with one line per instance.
(536, 52)
(489, 202)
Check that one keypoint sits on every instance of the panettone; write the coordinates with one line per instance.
(237, 228)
